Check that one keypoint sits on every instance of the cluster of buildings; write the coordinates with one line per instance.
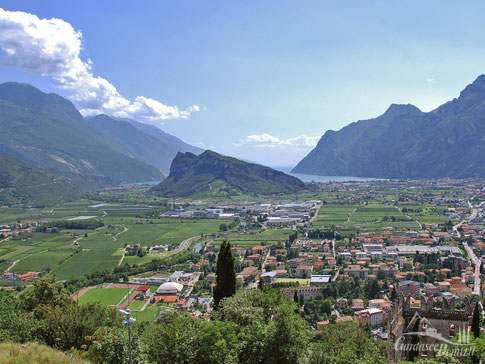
(210, 213)
(16, 229)
(273, 214)
(291, 213)
(175, 291)
(25, 277)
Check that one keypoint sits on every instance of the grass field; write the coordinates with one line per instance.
(149, 314)
(136, 305)
(301, 281)
(105, 296)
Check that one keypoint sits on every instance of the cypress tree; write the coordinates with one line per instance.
(226, 275)
(393, 294)
(414, 352)
(476, 321)
(295, 297)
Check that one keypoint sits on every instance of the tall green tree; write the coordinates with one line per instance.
(226, 275)
(414, 352)
(476, 321)
(288, 336)
(372, 289)
(177, 338)
(343, 343)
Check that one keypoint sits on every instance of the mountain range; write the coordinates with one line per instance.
(144, 142)
(213, 174)
(28, 185)
(407, 143)
(46, 133)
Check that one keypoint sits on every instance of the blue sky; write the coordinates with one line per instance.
(268, 78)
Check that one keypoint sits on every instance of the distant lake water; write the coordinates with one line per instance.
(303, 177)
(143, 183)
(315, 178)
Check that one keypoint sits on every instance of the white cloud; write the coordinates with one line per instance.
(269, 141)
(52, 48)
(431, 80)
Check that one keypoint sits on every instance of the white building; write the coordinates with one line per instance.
(170, 288)
(376, 316)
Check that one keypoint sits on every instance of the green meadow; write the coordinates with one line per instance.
(105, 296)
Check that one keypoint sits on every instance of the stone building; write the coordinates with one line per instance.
(436, 325)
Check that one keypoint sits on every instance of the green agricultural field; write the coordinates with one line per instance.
(41, 261)
(166, 231)
(102, 248)
(375, 213)
(63, 211)
(105, 296)
(137, 260)
(268, 237)
(333, 215)
(432, 219)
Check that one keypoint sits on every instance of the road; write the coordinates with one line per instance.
(476, 262)
(316, 213)
(184, 245)
(473, 258)
(473, 215)
(315, 216)
(265, 259)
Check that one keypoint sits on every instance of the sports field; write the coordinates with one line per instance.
(106, 296)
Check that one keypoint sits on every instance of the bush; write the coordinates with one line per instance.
(13, 353)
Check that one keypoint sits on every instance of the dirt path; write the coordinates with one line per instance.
(6, 239)
(121, 259)
(350, 214)
(316, 213)
(13, 264)
(77, 239)
(121, 232)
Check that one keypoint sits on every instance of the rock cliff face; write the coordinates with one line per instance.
(407, 143)
(214, 173)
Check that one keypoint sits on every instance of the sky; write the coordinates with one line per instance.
(259, 80)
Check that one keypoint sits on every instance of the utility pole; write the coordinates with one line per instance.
(127, 322)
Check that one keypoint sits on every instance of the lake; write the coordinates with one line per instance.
(315, 178)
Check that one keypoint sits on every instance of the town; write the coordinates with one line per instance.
(372, 253)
